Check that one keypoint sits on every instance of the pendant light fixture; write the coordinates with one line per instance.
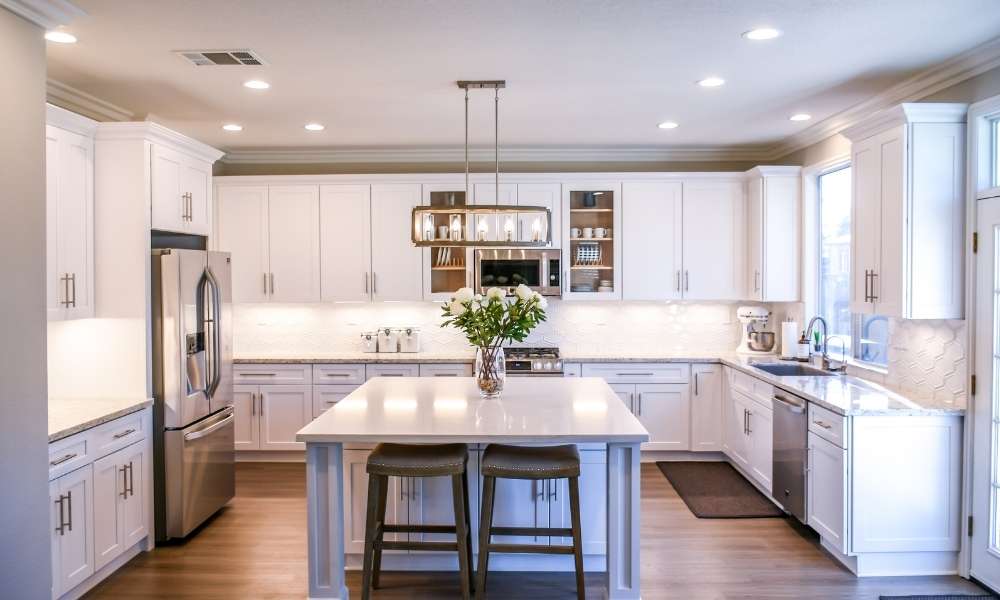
(462, 218)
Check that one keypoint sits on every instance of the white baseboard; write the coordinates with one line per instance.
(652, 456)
(896, 564)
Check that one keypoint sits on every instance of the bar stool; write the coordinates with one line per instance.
(537, 463)
(416, 460)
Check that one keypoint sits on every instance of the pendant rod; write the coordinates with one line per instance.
(466, 146)
(496, 137)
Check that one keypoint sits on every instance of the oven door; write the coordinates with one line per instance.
(508, 267)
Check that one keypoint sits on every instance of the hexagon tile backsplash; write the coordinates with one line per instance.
(927, 359)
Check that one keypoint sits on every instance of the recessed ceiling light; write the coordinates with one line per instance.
(256, 84)
(800, 117)
(60, 37)
(315, 127)
(667, 125)
(232, 127)
(712, 82)
(762, 33)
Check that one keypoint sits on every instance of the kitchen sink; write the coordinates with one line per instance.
(791, 370)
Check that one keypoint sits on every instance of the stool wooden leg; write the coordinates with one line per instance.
(485, 524)
(574, 510)
(461, 534)
(383, 493)
(371, 531)
(468, 529)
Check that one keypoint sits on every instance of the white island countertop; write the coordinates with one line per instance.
(442, 410)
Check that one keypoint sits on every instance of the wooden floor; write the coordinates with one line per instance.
(256, 548)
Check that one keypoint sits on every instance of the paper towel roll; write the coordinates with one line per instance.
(789, 338)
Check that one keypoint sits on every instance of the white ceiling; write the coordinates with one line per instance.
(381, 73)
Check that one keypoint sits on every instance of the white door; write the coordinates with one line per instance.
(168, 207)
(714, 240)
(539, 194)
(397, 265)
(664, 409)
(241, 230)
(284, 410)
(345, 242)
(110, 482)
(825, 490)
(196, 182)
(780, 224)
(651, 240)
(986, 426)
(706, 408)
(761, 444)
(625, 391)
(736, 429)
(293, 243)
(245, 417)
(755, 238)
(865, 221)
(888, 282)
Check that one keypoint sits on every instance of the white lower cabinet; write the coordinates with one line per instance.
(762, 443)
(706, 408)
(664, 410)
(325, 396)
(826, 500)
(71, 529)
(268, 416)
(748, 439)
(737, 444)
(119, 502)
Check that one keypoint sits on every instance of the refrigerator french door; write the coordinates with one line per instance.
(192, 388)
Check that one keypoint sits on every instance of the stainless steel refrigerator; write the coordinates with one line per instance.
(193, 420)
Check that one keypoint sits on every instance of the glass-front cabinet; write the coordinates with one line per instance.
(591, 243)
(446, 269)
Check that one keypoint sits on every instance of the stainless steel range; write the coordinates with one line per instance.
(533, 361)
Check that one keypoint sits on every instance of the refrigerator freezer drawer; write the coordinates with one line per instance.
(200, 472)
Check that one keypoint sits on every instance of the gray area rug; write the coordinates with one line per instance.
(715, 490)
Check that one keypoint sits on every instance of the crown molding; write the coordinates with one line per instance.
(70, 121)
(78, 101)
(47, 14)
(970, 63)
(154, 132)
(477, 155)
(908, 112)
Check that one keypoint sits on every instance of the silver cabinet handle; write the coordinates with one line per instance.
(634, 374)
(678, 281)
(631, 402)
(746, 417)
(260, 404)
(72, 283)
(366, 282)
(874, 276)
(62, 459)
(565, 280)
(823, 424)
(253, 403)
(122, 434)
(446, 374)
(258, 374)
(124, 472)
(687, 281)
(696, 383)
(272, 284)
(337, 374)
(868, 295)
(131, 479)
(640, 404)
(265, 284)
(61, 528)
(374, 283)
(69, 510)
(749, 416)
(65, 282)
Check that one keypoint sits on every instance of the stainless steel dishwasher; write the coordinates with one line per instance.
(791, 424)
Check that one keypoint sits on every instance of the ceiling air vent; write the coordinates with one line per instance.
(224, 58)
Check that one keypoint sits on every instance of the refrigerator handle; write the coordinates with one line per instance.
(216, 330)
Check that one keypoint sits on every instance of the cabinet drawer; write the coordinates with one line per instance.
(118, 434)
(828, 425)
(272, 374)
(324, 374)
(572, 370)
(69, 453)
(392, 370)
(325, 396)
(751, 386)
(640, 372)
(446, 370)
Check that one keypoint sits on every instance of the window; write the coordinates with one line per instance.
(864, 337)
(995, 149)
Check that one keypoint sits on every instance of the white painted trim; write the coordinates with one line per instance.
(70, 121)
(774, 171)
(908, 112)
(810, 244)
(158, 134)
(736, 176)
(78, 101)
(47, 14)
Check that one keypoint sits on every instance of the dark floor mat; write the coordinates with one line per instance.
(715, 490)
(941, 597)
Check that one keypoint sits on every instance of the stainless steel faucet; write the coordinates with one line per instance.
(825, 340)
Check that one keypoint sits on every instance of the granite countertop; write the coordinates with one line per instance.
(73, 415)
(462, 356)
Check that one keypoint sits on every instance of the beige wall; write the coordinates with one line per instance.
(24, 517)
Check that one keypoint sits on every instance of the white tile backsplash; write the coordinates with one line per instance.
(927, 359)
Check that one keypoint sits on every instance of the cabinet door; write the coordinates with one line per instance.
(706, 408)
(247, 428)
(780, 225)
(761, 444)
(397, 265)
(826, 498)
(132, 507)
(888, 285)
(865, 220)
(664, 409)
(356, 503)
(755, 238)
(625, 391)
(714, 240)
(110, 482)
(325, 396)
(651, 240)
(346, 253)
(736, 429)
(539, 194)
(56, 519)
(593, 484)
(55, 289)
(241, 230)
(76, 543)
(293, 243)
(168, 207)
(196, 181)
(284, 410)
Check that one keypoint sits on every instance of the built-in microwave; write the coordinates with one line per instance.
(509, 267)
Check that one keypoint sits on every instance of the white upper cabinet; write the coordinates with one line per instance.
(908, 212)
(773, 224)
(651, 235)
(293, 243)
(397, 265)
(241, 230)
(592, 263)
(180, 192)
(346, 248)
(69, 161)
(714, 240)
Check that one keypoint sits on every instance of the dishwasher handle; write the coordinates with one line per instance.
(790, 405)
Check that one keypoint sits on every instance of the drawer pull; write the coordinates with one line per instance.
(635, 374)
(258, 374)
(62, 459)
(446, 374)
(339, 374)
(823, 425)
(122, 434)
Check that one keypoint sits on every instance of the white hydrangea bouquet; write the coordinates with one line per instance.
(489, 322)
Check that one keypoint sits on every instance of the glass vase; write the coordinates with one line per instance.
(491, 371)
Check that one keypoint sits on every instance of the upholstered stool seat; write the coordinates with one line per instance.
(418, 460)
(524, 462)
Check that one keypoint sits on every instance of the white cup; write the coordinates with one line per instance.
(574, 232)
(443, 232)
(588, 232)
(600, 232)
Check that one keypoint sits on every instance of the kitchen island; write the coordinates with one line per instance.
(425, 410)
